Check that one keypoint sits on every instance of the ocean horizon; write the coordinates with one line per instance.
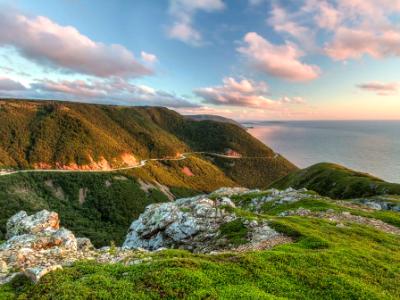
(368, 146)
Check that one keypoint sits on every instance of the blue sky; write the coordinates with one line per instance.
(245, 59)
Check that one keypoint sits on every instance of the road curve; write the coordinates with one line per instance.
(139, 165)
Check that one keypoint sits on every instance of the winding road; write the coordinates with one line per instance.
(139, 165)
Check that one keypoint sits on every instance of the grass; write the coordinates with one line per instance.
(235, 232)
(337, 182)
(326, 262)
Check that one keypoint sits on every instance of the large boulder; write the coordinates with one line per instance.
(39, 231)
(193, 224)
(36, 245)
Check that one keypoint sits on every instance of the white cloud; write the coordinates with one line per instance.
(183, 12)
(277, 60)
(148, 57)
(44, 41)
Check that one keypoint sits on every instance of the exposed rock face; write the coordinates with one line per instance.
(192, 224)
(21, 223)
(35, 245)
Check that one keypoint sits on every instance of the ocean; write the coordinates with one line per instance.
(367, 146)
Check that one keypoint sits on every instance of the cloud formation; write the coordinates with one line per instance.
(7, 85)
(380, 88)
(351, 28)
(354, 43)
(115, 91)
(277, 60)
(148, 57)
(44, 41)
(183, 12)
(283, 22)
(242, 93)
(359, 27)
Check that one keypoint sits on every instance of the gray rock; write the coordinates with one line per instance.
(21, 223)
(188, 223)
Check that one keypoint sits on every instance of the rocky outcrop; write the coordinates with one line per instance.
(277, 197)
(36, 244)
(381, 203)
(193, 224)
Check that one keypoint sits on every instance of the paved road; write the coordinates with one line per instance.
(139, 165)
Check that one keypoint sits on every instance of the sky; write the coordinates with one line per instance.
(242, 59)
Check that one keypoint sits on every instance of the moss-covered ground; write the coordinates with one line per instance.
(324, 262)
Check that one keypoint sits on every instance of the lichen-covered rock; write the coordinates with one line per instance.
(21, 223)
(192, 223)
(383, 202)
(35, 245)
(277, 197)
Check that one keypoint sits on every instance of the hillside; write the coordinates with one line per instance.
(337, 182)
(63, 135)
(213, 118)
(311, 247)
(74, 136)
(101, 206)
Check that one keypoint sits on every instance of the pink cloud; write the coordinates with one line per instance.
(354, 43)
(43, 40)
(380, 88)
(277, 60)
(284, 22)
(243, 93)
(328, 17)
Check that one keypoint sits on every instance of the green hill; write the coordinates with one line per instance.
(337, 182)
(50, 134)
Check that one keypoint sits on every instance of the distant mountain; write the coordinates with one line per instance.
(213, 118)
(337, 182)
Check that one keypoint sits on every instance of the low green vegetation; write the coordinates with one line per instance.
(235, 232)
(336, 182)
(323, 262)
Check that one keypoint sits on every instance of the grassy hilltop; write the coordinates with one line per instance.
(337, 182)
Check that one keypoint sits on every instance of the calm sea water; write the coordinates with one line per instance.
(368, 146)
